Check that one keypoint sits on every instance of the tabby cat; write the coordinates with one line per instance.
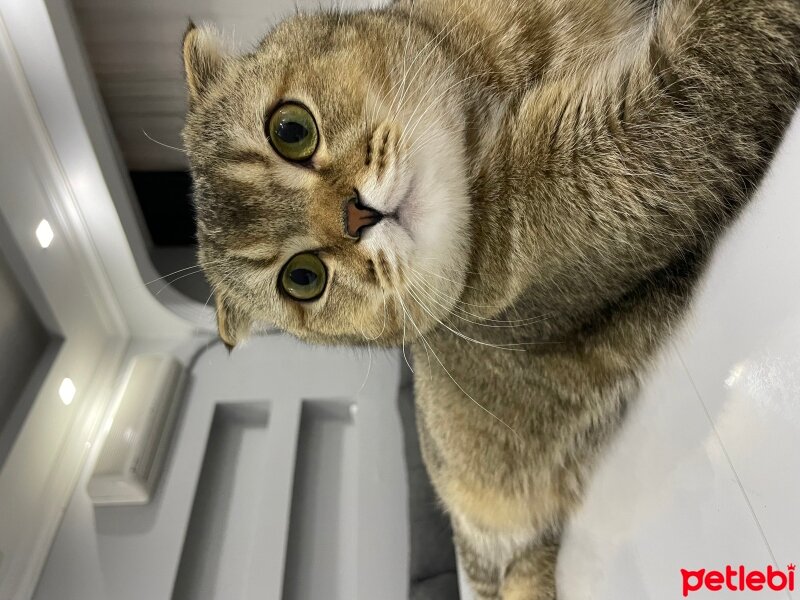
(522, 192)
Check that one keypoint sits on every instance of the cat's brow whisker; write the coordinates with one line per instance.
(168, 284)
(195, 266)
(147, 135)
(157, 279)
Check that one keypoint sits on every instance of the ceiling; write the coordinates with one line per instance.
(134, 50)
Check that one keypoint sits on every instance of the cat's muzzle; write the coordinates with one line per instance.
(357, 217)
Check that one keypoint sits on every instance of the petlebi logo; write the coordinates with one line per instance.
(738, 579)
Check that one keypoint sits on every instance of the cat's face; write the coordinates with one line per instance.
(298, 149)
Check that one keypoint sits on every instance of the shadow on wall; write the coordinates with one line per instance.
(27, 350)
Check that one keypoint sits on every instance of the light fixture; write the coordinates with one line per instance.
(66, 391)
(44, 233)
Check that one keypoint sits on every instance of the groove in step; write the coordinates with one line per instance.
(219, 538)
(321, 554)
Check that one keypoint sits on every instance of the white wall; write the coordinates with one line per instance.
(23, 339)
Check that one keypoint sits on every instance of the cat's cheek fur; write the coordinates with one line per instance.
(427, 245)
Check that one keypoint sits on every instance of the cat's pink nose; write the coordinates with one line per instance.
(358, 217)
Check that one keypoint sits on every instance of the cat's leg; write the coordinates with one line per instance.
(532, 574)
(483, 575)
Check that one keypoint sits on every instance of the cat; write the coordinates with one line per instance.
(523, 193)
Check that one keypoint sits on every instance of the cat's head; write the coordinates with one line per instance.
(330, 179)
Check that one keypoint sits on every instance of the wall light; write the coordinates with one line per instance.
(66, 391)
(44, 233)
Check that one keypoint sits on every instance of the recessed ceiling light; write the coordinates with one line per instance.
(66, 391)
(44, 233)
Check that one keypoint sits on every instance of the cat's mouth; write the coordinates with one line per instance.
(404, 212)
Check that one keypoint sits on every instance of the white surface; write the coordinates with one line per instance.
(74, 296)
(130, 460)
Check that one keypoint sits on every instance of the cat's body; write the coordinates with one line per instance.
(596, 150)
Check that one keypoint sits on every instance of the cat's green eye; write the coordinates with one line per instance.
(292, 132)
(304, 277)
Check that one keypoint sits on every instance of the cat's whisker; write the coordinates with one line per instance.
(451, 310)
(445, 71)
(456, 301)
(369, 370)
(399, 88)
(211, 295)
(458, 385)
(416, 143)
(454, 269)
(370, 96)
(200, 313)
(432, 104)
(458, 283)
(403, 343)
(194, 266)
(147, 135)
(157, 279)
(372, 339)
(437, 41)
(513, 347)
(168, 284)
(436, 44)
(405, 53)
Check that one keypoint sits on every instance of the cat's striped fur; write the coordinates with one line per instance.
(574, 165)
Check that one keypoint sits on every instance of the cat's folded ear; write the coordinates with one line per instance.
(203, 60)
(233, 326)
